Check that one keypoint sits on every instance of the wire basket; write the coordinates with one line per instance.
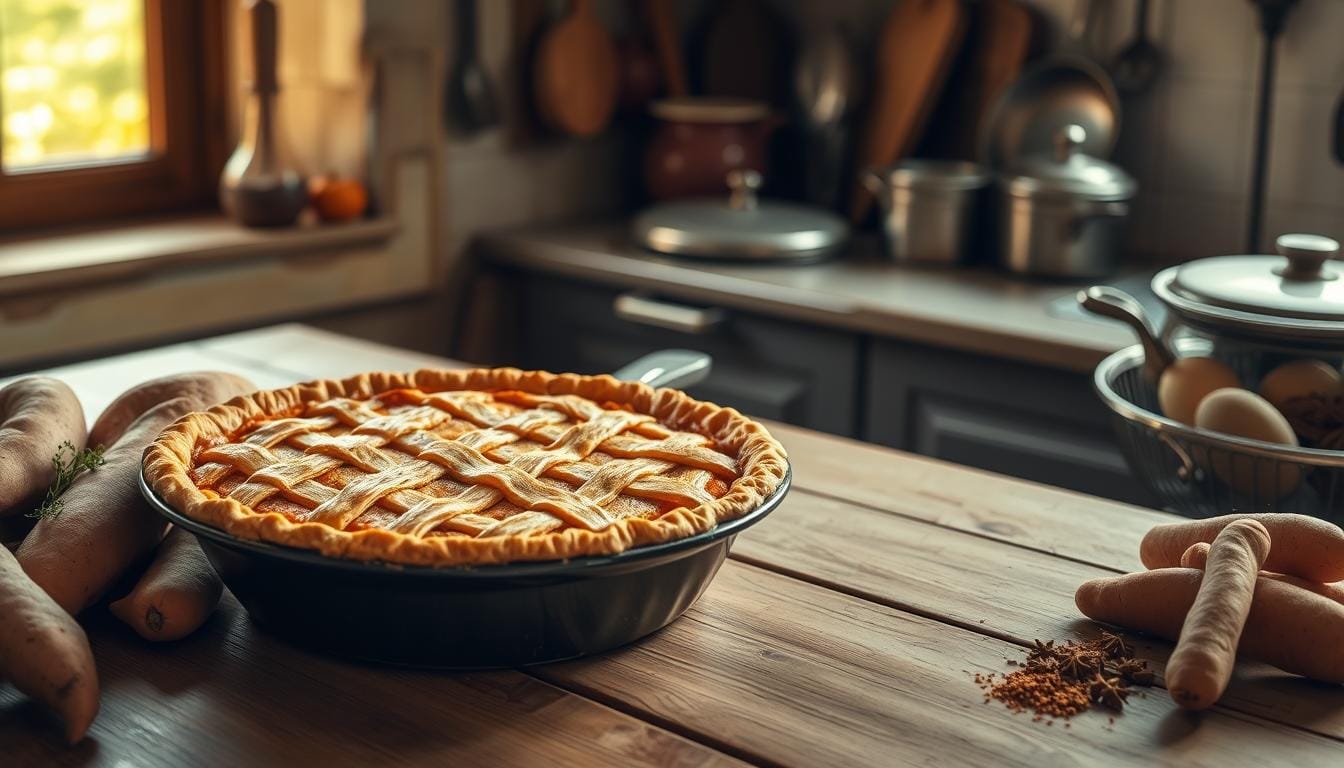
(1197, 473)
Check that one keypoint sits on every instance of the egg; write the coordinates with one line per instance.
(1187, 381)
(1299, 379)
(1238, 412)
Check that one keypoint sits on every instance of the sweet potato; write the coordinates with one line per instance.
(1198, 555)
(177, 593)
(105, 525)
(1289, 627)
(1304, 546)
(1201, 665)
(205, 388)
(37, 415)
(44, 652)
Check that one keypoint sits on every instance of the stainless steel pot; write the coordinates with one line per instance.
(929, 209)
(1294, 300)
(1255, 312)
(1064, 214)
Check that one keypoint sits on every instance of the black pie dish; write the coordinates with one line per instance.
(476, 617)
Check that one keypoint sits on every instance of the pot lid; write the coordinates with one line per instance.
(1055, 92)
(1300, 284)
(740, 226)
(1068, 171)
(946, 175)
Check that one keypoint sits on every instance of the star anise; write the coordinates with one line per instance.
(1079, 663)
(1039, 650)
(1109, 691)
(1112, 645)
(1135, 671)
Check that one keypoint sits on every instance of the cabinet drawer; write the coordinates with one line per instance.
(1035, 423)
(763, 367)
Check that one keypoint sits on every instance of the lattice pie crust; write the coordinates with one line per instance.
(465, 467)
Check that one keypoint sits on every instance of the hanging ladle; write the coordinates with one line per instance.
(1116, 304)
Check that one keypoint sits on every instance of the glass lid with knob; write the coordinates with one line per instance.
(740, 226)
(1296, 294)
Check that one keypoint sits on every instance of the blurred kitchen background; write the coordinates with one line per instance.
(472, 173)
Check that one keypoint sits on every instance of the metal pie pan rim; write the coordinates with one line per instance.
(572, 567)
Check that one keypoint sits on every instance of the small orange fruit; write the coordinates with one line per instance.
(337, 199)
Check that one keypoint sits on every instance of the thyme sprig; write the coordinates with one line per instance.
(68, 463)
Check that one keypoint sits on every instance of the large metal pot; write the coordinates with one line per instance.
(1064, 214)
(1256, 311)
(929, 209)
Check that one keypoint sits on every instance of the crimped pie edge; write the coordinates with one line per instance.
(761, 459)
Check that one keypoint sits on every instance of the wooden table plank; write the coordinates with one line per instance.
(232, 696)
(1018, 512)
(1011, 593)
(797, 675)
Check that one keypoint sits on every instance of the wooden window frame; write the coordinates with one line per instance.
(185, 76)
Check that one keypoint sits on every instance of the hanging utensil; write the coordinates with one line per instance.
(998, 41)
(667, 44)
(576, 74)
(918, 43)
(826, 88)
(1339, 131)
(1273, 17)
(471, 102)
(1138, 64)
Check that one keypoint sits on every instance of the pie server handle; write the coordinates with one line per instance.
(678, 368)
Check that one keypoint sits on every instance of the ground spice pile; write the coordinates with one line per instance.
(1060, 681)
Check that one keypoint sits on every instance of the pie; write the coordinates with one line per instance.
(483, 466)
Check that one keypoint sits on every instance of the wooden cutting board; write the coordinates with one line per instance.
(575, 77)
(999, 38)
(918, 43)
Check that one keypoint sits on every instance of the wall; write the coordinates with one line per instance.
(1195, 132)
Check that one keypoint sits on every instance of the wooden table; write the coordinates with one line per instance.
(844, 630)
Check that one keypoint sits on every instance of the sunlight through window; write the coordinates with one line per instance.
(72, 82)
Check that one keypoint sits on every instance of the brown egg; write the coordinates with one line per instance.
(1186, 382)
(1245, 414)
(1299, 379)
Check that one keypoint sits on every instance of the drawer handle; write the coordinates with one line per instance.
(674, 317)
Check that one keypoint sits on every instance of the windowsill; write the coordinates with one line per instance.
(63, 261)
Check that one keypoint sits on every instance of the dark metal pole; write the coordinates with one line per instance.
(1273, 15)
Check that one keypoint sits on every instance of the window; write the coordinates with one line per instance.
(108, 108)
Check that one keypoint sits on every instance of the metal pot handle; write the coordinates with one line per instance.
(1116, 304)
(679, 368)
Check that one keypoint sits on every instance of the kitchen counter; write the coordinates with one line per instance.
(845, 629)
(972, 309)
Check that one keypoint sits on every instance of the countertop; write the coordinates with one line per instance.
(971, 309)
(844, 630)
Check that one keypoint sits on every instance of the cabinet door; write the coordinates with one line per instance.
(763, 367)
(1035, 423)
